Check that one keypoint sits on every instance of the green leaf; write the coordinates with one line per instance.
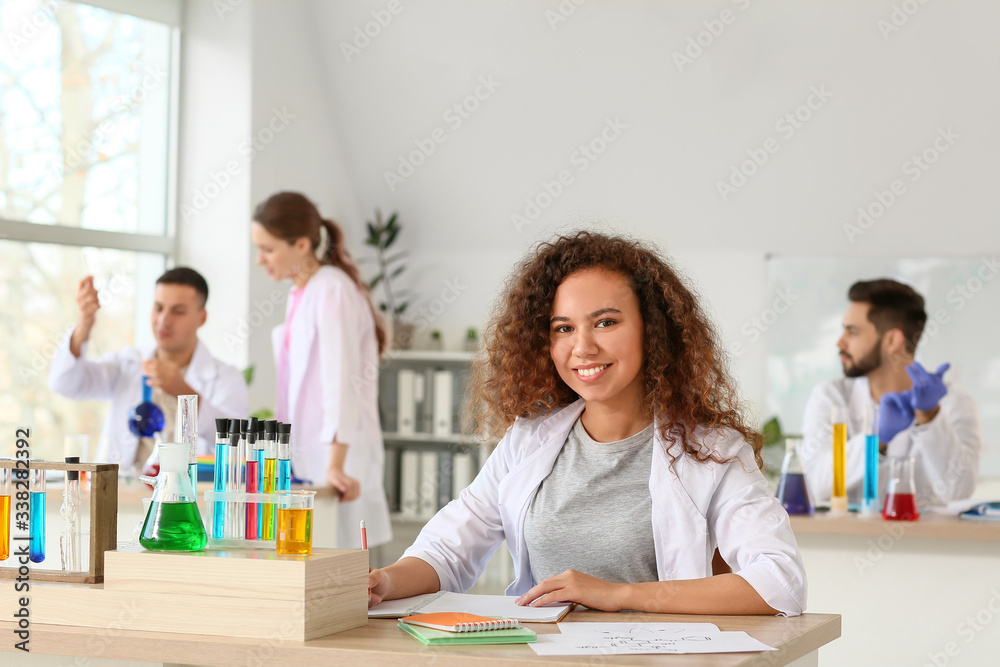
(248, 374)
(263, 413)
(375, 281)
(372, 234)
(383, 307)
(398, 270)
(771, 431)
(392, 237)
(391, 224)
(401, 309)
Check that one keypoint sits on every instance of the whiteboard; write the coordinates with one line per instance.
(962, 299)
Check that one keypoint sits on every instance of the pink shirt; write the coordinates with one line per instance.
(296, 299)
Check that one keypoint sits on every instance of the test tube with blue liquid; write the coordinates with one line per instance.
(284, 482)
(221, 453)
(870, 504)
(36, 515)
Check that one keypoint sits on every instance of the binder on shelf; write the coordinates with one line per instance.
(463, 471)
(406, 402)
(444, 478)
(391, 480)
(425, 418)
(428, 489)
(443, 403)
(409, 484)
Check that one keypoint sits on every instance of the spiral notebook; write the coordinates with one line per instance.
(459, 622)
(442, 638)
(492, 606)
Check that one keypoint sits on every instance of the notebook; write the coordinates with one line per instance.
(459, 622)
(484, 605)
(441, 638)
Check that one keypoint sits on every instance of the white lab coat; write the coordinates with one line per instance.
(946, 449)
(696, 507)
(332, 394)
(117, 377)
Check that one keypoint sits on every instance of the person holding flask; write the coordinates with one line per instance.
(326, 355)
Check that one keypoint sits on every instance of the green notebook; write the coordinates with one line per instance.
(433, 637)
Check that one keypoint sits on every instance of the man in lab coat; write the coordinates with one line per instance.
(920, 416)
(177, 364)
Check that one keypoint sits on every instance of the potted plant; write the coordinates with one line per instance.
(381, 236)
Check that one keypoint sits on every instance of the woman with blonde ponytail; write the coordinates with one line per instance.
(327, 356)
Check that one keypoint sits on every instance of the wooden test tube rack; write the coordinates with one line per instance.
(103, 519)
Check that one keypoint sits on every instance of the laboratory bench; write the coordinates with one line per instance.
(380, 642)
(911, 593)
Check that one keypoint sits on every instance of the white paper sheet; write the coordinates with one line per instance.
(643, 638)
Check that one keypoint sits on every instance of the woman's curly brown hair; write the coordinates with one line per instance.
(686, 378)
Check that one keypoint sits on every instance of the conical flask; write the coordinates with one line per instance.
(146, 419)
(173, 522)
(792, 491)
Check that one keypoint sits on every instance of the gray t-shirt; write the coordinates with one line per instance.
(593, 513)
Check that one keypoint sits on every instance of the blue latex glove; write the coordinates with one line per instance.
(895, 414)
(928, 388)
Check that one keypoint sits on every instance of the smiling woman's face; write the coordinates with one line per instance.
(596, 337)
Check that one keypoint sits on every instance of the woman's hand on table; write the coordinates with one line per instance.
(573, 586)
(378, 586)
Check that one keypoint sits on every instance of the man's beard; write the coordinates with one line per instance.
(866, 364)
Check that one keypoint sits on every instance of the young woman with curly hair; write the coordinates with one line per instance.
(624, 461)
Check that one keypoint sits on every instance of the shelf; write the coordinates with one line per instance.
(456, 439)
(430, 356)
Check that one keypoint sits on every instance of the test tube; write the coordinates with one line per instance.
(251, 479)
(5, 475)
(186, 431)
(870, 499)
(284, 482)
(221, 450)
(838, 497)
(36, 515)
(234, 527)
(69, 539)
(270, 481)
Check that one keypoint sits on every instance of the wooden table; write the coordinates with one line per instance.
(797, 639)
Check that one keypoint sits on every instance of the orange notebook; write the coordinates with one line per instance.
(459, 622)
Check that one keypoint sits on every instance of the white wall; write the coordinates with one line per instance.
(685, 130)
(658, 179)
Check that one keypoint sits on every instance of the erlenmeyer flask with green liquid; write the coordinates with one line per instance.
(173, 522)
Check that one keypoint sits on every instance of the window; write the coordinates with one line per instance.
(86, 174)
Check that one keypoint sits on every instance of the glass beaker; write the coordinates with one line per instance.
(173, 522)
(900, 497)
(295, 514)
(186, 430)
(792, 491)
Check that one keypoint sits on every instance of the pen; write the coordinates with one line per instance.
(364, 545)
